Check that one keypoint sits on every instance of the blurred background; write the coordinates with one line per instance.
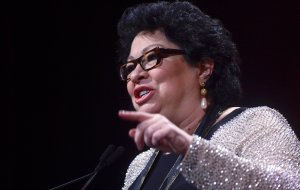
(64, 93)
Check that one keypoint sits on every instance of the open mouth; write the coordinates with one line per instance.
(142, 95)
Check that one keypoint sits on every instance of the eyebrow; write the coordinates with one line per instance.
(145, 50)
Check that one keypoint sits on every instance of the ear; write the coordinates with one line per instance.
(206, 67)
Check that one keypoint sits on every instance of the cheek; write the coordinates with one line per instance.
(170, 79)
(129, 88)
(170, 88)
(177, 85)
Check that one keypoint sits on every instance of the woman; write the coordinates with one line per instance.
(183, 79)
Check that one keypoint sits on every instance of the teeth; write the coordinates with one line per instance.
(144, 92)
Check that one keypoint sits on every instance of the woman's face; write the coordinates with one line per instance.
(171, 89)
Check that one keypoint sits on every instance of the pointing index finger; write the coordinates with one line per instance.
(134, 115)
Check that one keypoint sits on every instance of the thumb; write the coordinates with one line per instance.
(132, 132)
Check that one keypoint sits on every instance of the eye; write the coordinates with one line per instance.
(151, 56)
(149, 60)
(127, 69)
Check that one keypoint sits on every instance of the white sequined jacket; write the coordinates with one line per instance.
(257, 149)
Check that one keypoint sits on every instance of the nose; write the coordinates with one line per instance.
(138, 74)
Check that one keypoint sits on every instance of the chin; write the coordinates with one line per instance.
(147, 108)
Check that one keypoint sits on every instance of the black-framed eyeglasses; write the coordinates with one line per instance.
(149, 60)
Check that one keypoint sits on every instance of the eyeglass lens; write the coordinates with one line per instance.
(147, 62)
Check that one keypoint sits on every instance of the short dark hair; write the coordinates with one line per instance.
(196, 33)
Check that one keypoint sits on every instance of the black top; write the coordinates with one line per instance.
(156, 176)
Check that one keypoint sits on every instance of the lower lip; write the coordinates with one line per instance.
(144, 98)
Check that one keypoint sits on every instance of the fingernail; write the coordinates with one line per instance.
(121, 111)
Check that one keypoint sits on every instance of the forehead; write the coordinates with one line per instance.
(145, 41)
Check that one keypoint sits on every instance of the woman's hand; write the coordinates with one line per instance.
(157, 131)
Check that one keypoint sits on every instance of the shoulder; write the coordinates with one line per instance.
(264, 110)
(262, 119)
(270, 120)
(136, 166)
(261, 114)
(254, 122)
(265, 116)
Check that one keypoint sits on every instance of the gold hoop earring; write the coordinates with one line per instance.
(203, 92)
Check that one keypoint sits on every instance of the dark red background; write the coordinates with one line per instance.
(64, 92)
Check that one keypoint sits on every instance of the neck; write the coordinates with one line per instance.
(190, 123)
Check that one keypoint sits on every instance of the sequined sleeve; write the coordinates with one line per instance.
(256, 150)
